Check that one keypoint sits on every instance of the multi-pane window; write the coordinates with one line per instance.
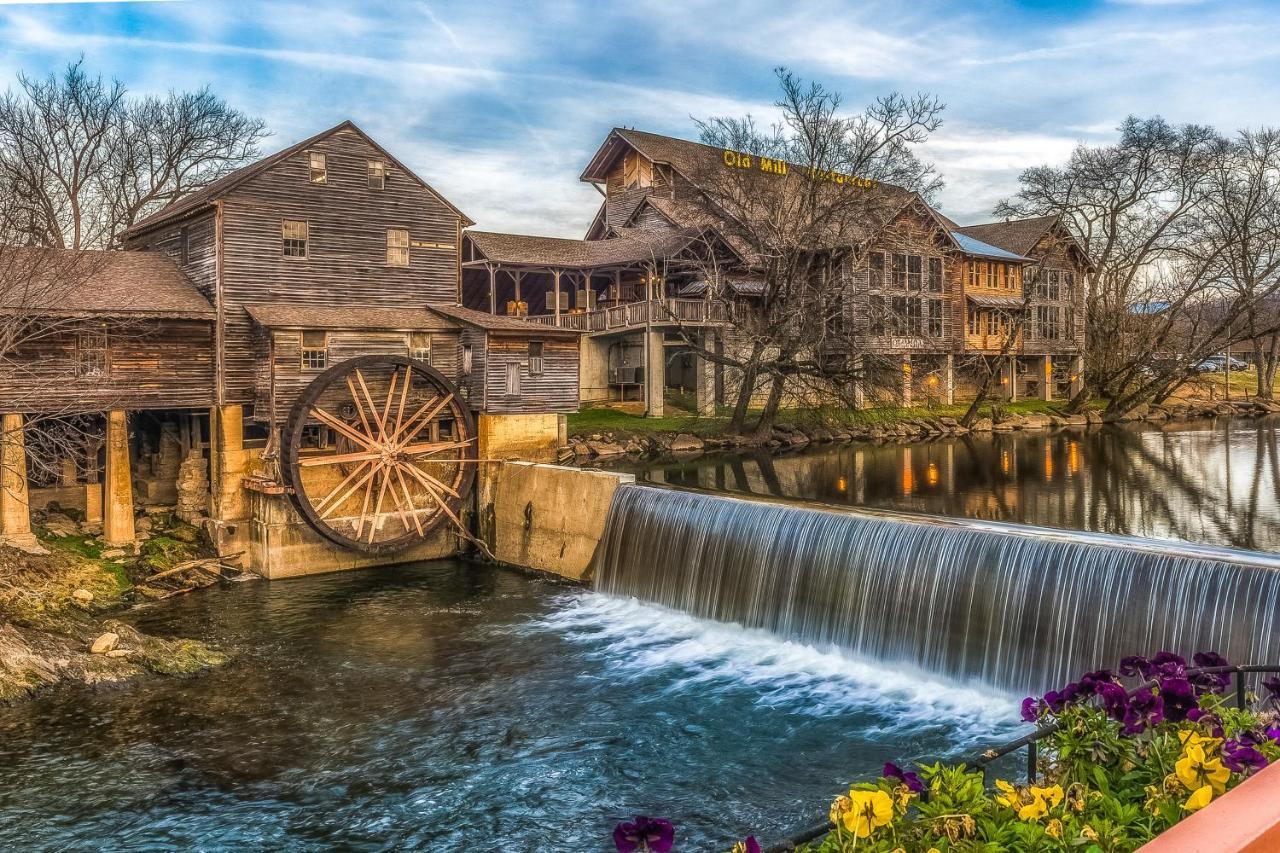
(1049, 322)
(513, 379)
(319, 172)
(1055, 285)
(91, 354)
(907, 271)
(315, 350)
(294, 234)
(397, 247)
(876, 264)
(877, 316)
(377, 174)
(935, 275)
(535, 358)
(934, 312)
(420, 346)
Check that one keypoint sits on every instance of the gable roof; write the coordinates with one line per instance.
(89, 283)
(206, 195)
(1015, 235)
(632, 245)
(498, 323)
(974, 246)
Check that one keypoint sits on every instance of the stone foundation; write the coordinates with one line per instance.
(534, 437)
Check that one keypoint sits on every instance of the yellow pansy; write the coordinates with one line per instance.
(839, 808)
(1052, 795)
(868, 811)
(1054, 828)
(1089, 832)
(1008, 794)
(1033, 810)
(1200, 798)
(1195, 769)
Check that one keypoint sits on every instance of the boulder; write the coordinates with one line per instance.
(1093, 417)
(112, 553)
(982, 425)
(685, 443)
(1076, 420)
(82, 597)
(105, 643)
(119, 653)
(604, 449)
(1035, 420)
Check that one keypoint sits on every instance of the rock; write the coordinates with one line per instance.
(604, 449)
(105, 643)
(685, 443)
(61, 525)
(982, 425)
(112, 553)
(949, 422)
(1004, 426)
(82, 597)
(1076, 420)
(634, 448)
(142, 525)
(1035, 421)
(1093, 417)
(119, 653)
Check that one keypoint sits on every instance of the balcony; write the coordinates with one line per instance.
(632, 315)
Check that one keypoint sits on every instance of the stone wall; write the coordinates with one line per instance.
(531, 437)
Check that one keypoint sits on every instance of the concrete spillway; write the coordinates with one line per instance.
(1018, 607)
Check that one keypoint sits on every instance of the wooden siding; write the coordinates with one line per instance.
(555, 390)
(290, 377)
(1054, 251)
(152, 364)
(346, 249)
(474, 384)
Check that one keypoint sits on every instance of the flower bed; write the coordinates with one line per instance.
(1123, 763)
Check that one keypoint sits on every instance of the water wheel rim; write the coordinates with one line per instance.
(301, 415)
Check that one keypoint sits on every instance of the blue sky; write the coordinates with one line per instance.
(500, 104)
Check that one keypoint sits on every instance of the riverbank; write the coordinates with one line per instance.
(611, 433)
(58, 609)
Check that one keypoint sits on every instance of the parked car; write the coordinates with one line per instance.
(1218, 363)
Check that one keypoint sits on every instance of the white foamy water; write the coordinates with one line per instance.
(638, 640)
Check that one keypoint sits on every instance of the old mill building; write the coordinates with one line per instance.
(308, 355)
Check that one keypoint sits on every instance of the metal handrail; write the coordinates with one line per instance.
(1029, 740)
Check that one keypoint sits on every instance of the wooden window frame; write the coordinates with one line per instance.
(935, 274)
(536, 358)
(468, 360)
(317, 174)
(312, 357)
(395, 248)
(287, 243)
(416, 351)
(511, 380)
(377, 174)
(876, 270)
(92, 358)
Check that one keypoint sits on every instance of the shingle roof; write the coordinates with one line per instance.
(496, 323)
(987, 301)
(973, 246)
(632, 247)
(277, 316)
(204, 196)
(1016, 235)
(82, 282)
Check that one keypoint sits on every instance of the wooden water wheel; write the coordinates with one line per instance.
(378, 451)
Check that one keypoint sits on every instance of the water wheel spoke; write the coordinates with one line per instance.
(355, 398)
(441, 502)
(342, 427)
(325, 508)
(433, 481)
(386, 409)
(377, 508)
(404, 488)
(427, 448)
(373, 409)
(339, 458)
(427, 418)
(364, 505)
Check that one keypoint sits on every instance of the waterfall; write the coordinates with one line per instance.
(1021, 608)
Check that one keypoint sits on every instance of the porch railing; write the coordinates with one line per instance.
(632, 314)
(981, 760)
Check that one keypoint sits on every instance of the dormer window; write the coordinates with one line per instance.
(319, 168)
(377, 174)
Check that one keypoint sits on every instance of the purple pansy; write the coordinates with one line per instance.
(1032, 708)
(1136, 665)
(1273, 732)
(1169, 664)
(644, 833)
(1210, 721)
(911, 780)
(1272, 686)
(751, 845)
(1115, 699)
(1211, 682)
(1145, 709)
(1179, 698)
(1239, 756)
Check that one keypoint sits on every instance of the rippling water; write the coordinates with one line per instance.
(453, 706)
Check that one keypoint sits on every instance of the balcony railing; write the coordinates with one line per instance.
(632, 314)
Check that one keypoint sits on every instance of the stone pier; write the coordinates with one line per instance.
(1046, 378)
(229, 502)
(117, 487)
(706, 378)
(15, 505)
(655, 374)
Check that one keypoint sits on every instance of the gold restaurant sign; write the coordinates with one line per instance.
(738, 160)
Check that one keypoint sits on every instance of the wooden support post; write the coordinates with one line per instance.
(616, 296)
(15, 507)
(1013, 378)
(949, 380)
(493, 288)
(516, 276)
(1046, 378)
(117, 492)
(705, 378)
(906, 382)
(859, 382)
(655, 373)
(556, 276)
(1077, 375)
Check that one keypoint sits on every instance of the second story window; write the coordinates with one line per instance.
(315, 350)
(535, 358)
(397, 247)
(420, 346)
(377, 174)
(935, 275)
(876, 265)
(294, 234)
(319, 172)
(91, 354)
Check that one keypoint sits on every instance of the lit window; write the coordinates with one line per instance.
(319, 171)
(91, 354)
(535, 358)
(315, 350)
(294, 234)
(420, 346)
(377, 174)
(397, 247)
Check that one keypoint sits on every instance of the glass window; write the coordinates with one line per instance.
(91, 354)
(377, 174)
(294, 233)
(319, 169)
(420, 346)
(900, 271)
(315, 350)
(914, 272)
(535, 358)
(877, 316)
(513, 379)
(935, 318)
(877, 269)
(935, 275)
(397, 247)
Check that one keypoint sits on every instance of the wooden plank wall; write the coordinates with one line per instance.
(346, 263)
(153, 364)
(1054, 251)
(556, 390)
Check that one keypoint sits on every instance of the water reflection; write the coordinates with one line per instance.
(1216, 482)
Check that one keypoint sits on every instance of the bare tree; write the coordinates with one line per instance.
(799, 203)
(81, 160)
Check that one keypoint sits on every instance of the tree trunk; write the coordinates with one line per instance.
(765, 425)
(984, 393)
(1267, 359)
(737, 423)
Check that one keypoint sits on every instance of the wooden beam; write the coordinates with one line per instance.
(556, 274)
(493, 290)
